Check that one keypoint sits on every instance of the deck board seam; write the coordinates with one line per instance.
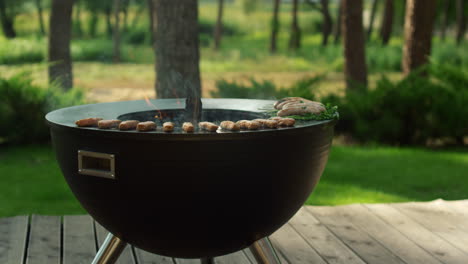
(26, 241)
(305, 240)
(436, 234)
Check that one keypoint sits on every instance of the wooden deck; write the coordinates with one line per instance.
(432, 232)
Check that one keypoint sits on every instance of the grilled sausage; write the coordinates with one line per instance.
(280, 104)
(301, 109)
(106, 124)
(288, 122)
(243, 124)
(188, 127)
(146, 126)
(88, 122)
(208, 126)
(270, 124)
(168, 127)
(253, 125)
(229, 125)
(128, 125)
(260, 121)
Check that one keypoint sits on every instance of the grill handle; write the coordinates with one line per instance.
(96, 164)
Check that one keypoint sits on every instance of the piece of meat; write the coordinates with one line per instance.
(88, 122)
(146, 126)
(260, 121)
(270, 124)
(168, 127)
(243, 124)
(277, 118)
(188, 127)
(280, 104)
(107, 124)
(288, 122)
(301, 109)
(208, 126)
(253, 125)
(229, 125)
(128, 125)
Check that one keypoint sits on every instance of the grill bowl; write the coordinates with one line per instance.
(192, 195)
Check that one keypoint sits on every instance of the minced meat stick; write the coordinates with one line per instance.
(107, 124)
(288, 122)
(188, 127)
(146, 126)
(229, 125)
(270, 124)
(253, 125)
(128, 125)
(208, 126)
(88, 122)
(168, 127)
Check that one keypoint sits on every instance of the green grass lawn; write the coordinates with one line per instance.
(31, 182)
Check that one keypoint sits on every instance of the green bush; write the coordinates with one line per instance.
(17, 51)
(23, 106)
(266, 89)
(408, 112)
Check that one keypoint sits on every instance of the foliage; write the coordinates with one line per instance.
(23, 106)
(266, 89)
(411, 111)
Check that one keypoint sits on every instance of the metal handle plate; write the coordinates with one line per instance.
(96, 164)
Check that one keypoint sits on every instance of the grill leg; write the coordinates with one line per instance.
(264, 252)
(207, 261)
(110, 250)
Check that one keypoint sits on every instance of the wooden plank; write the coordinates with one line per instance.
(233, 258)
(388, 236)
(427, 240)
(321, 239)
(13, 232)
(79, 241)
(457, 209)
(251, 257)
(437, 221)
(187, 261)
(44, 240)
(366, 247)
(294, 248)
(126, 257)
(144, 257)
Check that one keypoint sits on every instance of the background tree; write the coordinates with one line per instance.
(353, 38)
(461, 20)
(176, 48)
(150, 4)
(40, 16)
(327, 24)
(387, 22)
(60, 65)
(372, 18)
(337, 30)
(445, 17)
(116, 32)
(77, 27)
(295, 37)
(419, 21)
(274, 25)
(219, 25)
(8, 11)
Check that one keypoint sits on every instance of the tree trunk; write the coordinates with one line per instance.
(327, 22)
(371, 19)
(353, 39)
(219, 25)
(419, 22)
(176, 48)
(93, 23)
(40, 17)
(60, 65)
(461, 20)
(295, 38)
(445, 18)
(108, 13)
(116, 32)
(152, 26)
(7, 21)
(337, 30)
(274, 25)
(79, 29)
(387, 22)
